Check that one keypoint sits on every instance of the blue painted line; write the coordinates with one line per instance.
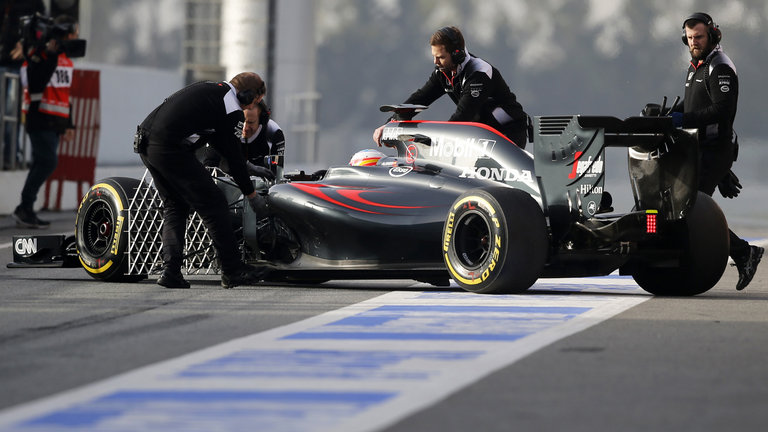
(436, 322)
(197, 404)
(566, 310)
(323, 364)
(409, 336)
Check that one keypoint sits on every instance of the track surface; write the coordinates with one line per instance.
(578, 354)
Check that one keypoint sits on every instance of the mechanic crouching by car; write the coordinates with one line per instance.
(167, 140)
(262, 138)
(709, 105)
(477, 88)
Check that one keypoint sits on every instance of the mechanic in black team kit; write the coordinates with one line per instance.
(478, 89)
(711, 94)
(167, 140)
(260, 136)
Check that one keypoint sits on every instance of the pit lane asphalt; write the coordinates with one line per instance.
(696, 363)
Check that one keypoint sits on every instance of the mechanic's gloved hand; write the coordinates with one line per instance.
(258, 203)
(729, 186)
(260, 171)
(677, 118)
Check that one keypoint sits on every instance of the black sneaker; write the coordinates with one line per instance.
(245, 275)
(171, 279)
(26, 218)
(748, 266)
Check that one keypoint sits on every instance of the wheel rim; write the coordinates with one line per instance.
(98, 229)
(473, 240)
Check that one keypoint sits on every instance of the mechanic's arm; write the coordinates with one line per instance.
(278, 146)
(229, 148)
(428, 93)
(474, 96)
(724, 92)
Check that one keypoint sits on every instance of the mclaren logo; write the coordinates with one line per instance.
(25, 246)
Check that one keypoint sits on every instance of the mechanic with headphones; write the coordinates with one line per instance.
(263, 144)
(711, 95)
(167, 140)
(477, 88)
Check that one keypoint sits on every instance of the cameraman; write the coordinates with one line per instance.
(46, 77)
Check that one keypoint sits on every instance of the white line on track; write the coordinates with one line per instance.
(359, 368)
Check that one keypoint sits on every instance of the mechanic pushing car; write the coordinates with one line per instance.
(167, 140)
(711, 95)
(477, 88)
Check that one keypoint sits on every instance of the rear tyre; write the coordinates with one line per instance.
(495, 240)
(101, 229)
(705, 239)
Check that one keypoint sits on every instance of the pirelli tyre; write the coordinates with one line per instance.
(495, 240)
(101, 229)
(705, 242)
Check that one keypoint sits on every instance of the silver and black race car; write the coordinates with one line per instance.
(459, 201)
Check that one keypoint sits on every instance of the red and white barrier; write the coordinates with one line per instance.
(77, 157)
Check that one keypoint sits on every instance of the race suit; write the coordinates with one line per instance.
(480, 94)
(711, 96)
(209, 109)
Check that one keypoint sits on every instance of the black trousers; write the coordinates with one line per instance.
(716, 161)
(184, 184)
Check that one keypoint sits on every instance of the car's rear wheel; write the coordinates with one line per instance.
(101, 229)
(705, 244)
(495, 240)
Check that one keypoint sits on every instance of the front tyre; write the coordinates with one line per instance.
(101, 229)
(705, 245)
(495, 240)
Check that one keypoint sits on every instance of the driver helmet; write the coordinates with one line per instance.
(366, 157)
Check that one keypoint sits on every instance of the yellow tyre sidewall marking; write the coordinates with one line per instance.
(116, 232)
(484, 204)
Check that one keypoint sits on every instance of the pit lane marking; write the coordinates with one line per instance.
(362, 367)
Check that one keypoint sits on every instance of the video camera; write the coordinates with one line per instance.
(37, 30)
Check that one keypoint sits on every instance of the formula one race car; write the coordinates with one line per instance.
(458, 201)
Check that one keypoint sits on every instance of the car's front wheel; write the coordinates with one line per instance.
(101, 229)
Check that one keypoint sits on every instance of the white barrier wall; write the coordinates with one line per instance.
(128, 94)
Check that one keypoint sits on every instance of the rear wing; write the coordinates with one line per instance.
(570, 154)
